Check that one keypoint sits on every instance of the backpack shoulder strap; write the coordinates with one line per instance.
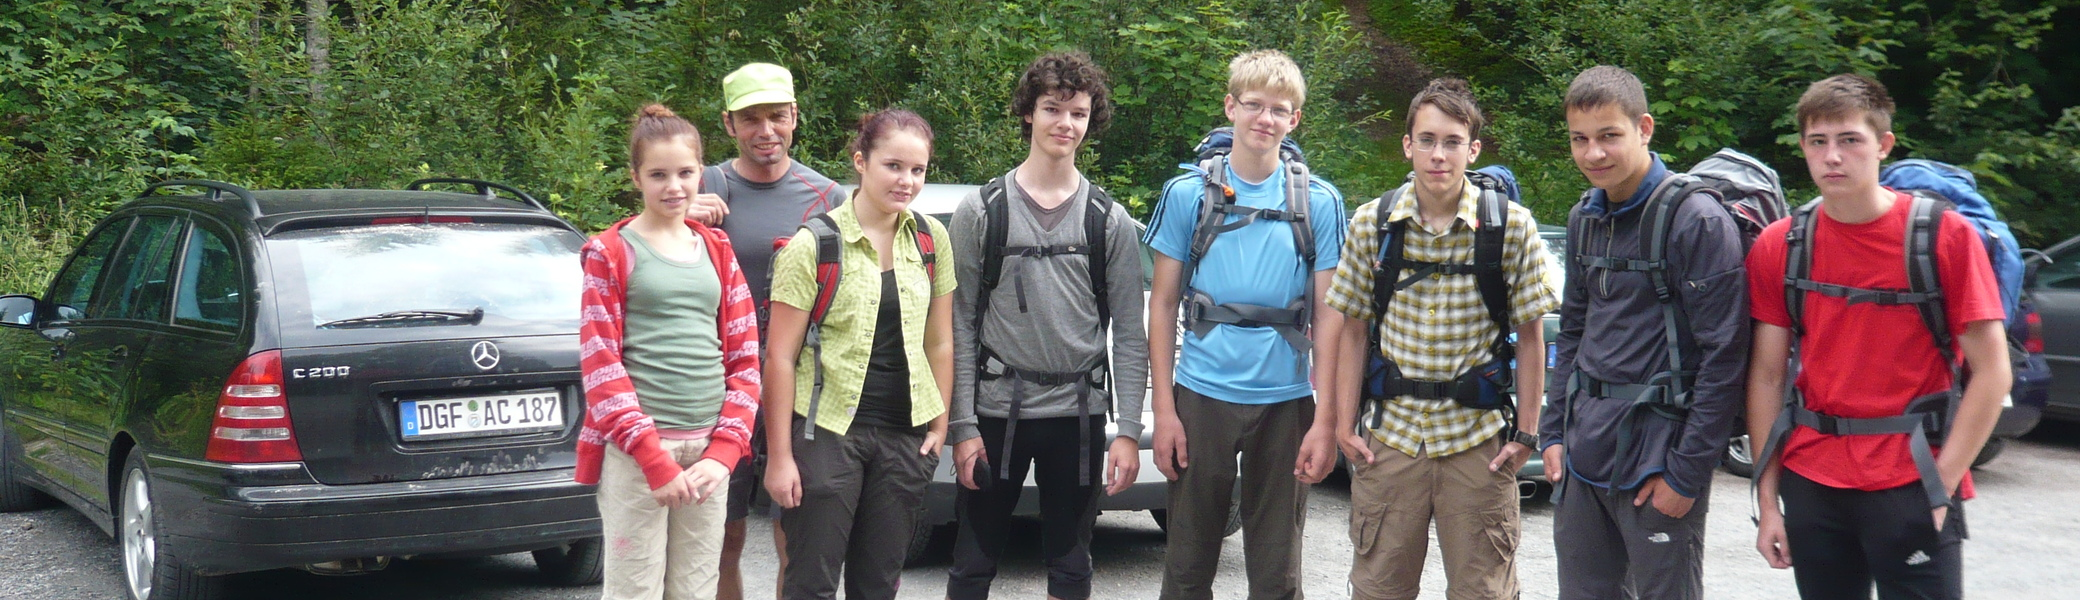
(715, 182)
(1212, 210)
(1299, 201)
(1386, 268)
(1489, 276)
(1573, 248)
(1660, 219)
(1798, 266)
(996, 218)
(927, 246)
(829, 266)
(1097, 220)
(1923, 225)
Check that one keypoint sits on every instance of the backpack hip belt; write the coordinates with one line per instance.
(1097, 377)
(1926, 418)
(1665, 394)
(1201, 314)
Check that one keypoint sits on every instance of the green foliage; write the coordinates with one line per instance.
(99, 98)
(1971, 77)
(35, 243)
(103, 97)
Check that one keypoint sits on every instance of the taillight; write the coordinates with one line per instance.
(252, 421)
(2035, 342)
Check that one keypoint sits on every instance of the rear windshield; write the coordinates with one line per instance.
(517, 274)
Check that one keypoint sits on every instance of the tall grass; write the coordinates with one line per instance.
(34, 243)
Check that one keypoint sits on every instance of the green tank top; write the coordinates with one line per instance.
(670, 346)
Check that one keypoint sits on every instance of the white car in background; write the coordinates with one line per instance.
(1150, 491)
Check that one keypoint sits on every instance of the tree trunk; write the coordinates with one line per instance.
(317, 45)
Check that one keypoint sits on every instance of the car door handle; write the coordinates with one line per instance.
(58, 338)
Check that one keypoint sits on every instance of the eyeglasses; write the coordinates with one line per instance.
(1451, 146)
(1254, 108)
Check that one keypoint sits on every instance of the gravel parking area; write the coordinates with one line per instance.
(2023, 528)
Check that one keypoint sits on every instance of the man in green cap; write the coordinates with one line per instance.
(760, 198)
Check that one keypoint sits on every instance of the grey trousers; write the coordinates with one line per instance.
(861, 493)
(1609, 548)
(1267, 438)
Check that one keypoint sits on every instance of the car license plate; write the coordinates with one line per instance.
(524, 412)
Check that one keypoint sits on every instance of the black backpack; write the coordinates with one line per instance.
(996, 213)
(1751, 194)
(1485, 387)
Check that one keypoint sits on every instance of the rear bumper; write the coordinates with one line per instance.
(220, 522)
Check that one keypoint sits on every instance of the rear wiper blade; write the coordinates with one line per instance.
(472, 317)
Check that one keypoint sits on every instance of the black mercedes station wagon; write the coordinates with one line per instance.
(235, 380)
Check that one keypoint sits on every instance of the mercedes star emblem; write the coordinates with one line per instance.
(485, 354)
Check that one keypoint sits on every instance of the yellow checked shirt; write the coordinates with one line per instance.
(1437, 328)
(848, 330)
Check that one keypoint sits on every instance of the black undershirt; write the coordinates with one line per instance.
(884, 400)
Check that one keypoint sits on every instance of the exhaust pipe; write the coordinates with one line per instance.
(1526, 489)
(349, 566)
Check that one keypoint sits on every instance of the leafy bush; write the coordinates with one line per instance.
(1971, 79)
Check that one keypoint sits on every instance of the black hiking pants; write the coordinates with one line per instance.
(1068, 509)
(1845, 541)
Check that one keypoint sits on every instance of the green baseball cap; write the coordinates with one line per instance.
(757, 83)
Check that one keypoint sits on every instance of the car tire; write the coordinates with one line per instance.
(921, 535)
(581, 562)
(152, 568)
(1993, 448)
(1740, 457)
(15, 496)
(1162, 518)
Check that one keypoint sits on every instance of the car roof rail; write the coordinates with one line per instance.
(217, 189)
(483, 187)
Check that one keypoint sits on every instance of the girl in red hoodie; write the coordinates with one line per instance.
(669, 346)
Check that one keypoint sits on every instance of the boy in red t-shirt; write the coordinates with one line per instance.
(1855, 509)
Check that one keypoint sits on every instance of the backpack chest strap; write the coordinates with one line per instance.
(1419, 270)
(1251, 214)
(1857, 295)
(1614, 263)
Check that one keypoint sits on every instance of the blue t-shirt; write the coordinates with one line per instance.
(1257, 264)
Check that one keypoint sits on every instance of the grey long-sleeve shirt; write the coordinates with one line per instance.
(1611, 328)
(1058, 331)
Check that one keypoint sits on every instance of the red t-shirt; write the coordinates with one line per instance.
(1869, 360)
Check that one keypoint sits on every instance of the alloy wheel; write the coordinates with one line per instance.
(140, 546)
(1739, 450)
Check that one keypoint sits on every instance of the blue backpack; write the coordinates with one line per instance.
(1961, 189)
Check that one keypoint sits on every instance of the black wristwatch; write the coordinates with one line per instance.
(1528, 440)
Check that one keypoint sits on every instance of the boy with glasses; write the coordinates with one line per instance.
(1241, 383)
(1425, 326)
